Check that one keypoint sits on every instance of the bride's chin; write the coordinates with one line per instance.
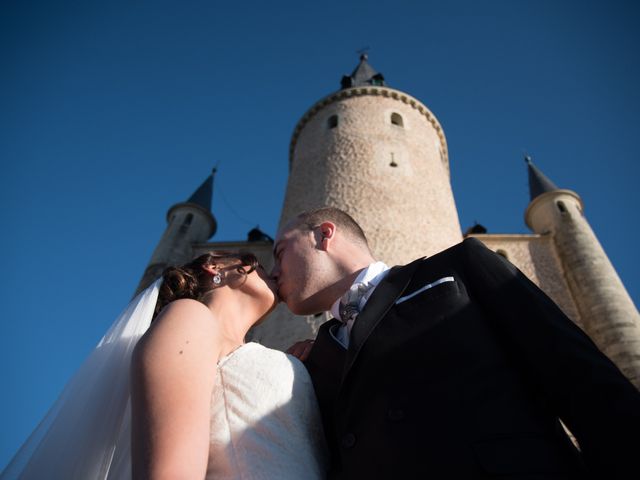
(266, 314)
(273, 305)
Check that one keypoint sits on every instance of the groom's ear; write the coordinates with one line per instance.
(327, 234)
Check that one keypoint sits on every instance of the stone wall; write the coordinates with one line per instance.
(392, 176)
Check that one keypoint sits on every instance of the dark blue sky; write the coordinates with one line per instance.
(110, 112)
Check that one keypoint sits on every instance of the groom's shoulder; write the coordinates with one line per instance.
(466, 249)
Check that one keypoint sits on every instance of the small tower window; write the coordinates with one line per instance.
(333, 121)
(187, 221)
(396, 119)
(562, 207)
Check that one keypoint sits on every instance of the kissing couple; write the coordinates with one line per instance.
(453, 366)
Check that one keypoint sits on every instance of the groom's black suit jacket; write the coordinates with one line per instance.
(468, 378)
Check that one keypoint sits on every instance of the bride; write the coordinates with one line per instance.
(203, 404)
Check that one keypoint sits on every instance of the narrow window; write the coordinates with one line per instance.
(396, 119)
(187, 221)
(393, 161)
(561, 206)
(333, 121)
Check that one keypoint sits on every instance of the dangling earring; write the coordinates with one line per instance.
(217, 279)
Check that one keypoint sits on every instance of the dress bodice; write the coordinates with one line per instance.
(265, 421)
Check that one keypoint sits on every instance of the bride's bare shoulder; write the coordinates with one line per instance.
(184, 318)
(185, 306)
(185, 311)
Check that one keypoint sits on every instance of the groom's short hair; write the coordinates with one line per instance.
(312, 218)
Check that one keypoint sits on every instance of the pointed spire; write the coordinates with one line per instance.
(202, 196)
(364, 74)
(538, 181)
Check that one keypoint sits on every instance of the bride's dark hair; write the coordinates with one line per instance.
(192, 281)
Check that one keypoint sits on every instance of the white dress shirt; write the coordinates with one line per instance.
(371, 275)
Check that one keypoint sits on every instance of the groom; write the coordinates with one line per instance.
(454, 366)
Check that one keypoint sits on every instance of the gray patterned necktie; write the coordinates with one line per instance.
(349, 307)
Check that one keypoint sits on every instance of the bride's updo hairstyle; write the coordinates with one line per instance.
(192, 281)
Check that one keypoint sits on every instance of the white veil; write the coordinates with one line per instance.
(86, 434)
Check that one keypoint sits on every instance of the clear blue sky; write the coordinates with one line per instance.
(110, 112)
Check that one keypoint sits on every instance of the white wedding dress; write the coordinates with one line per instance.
(265, 422)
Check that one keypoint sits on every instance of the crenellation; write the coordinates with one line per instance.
(369, 91)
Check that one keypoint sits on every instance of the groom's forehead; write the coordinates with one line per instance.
(281, 238)
(288, 233)
(288, 230)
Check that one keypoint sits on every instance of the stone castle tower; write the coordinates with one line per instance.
(381, 155)
(188, 223)
(604, 308)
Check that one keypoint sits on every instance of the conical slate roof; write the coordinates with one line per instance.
(538, 181)
(364, 74)
(202, 196)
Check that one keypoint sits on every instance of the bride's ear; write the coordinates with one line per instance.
(211, 269)
(216, 277)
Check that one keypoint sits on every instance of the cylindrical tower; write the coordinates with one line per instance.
(380, 155)
(188, 223)
(606, 310)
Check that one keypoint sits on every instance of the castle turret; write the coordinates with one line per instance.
(606, 310)
(380, 155)
(188, 223)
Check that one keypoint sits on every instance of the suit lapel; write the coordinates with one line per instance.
(383, 298)
(325, 364)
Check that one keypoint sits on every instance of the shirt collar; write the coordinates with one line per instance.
(371, 275)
